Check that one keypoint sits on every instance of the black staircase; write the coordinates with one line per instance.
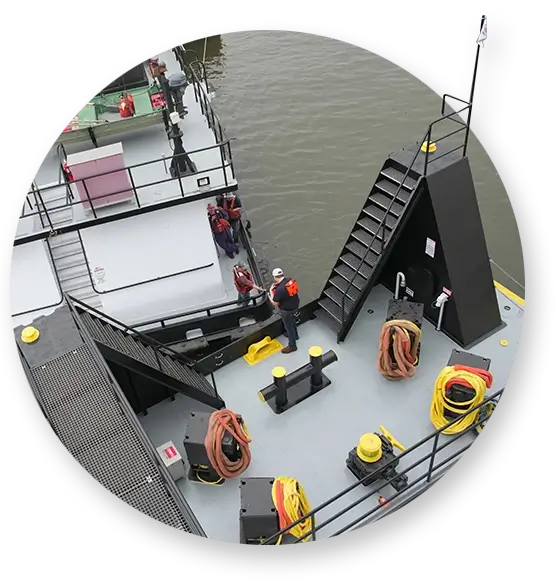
(134, 351)
(368, 246)
(395, 192)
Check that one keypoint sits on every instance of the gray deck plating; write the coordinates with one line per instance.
(311, 441)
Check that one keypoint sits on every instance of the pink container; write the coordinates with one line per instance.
(103, 190)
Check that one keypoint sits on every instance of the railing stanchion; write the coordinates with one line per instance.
(433, 456)
(223, 166)
(89, 198)
(428, 142)
(133, 187)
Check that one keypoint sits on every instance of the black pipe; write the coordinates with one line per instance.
(298, 375)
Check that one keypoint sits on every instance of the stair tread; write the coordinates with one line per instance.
(392, 190)
(347, 273)
(376, 213)
(396, 175)
(364, 238)
(385, 202)
(355, 263)
(332, 309)
(341, 283)
(338, 297)
(370, 256)
(328, 320)
(133, 347)
(367, 230)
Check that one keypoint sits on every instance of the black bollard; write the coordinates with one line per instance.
(287, 391)
(315, 358)
(281, 398)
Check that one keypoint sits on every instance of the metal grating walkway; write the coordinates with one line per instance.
(84, 408)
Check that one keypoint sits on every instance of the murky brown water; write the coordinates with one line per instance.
(314, 120)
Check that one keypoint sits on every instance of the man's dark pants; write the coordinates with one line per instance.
(288, 318)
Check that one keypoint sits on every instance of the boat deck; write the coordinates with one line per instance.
(153, 182)
(311, 441)
(226, 266)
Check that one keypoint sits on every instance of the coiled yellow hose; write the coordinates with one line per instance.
(476, 379)
(291, 504)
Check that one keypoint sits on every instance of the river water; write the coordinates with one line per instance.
(313, 121)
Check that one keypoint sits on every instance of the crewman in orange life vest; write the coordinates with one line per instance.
(232, 205)
(284, 293)
(243, 281)
(127, 105)
(220, 226)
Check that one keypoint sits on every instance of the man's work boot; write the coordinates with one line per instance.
(289, 349)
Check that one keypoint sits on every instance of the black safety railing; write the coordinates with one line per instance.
(196, 71)
(425, 142)
(36, 196)
(254, 300)
(159, 348)
(427, 458)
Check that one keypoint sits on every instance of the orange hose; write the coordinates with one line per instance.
(398, 333)
(220, 422)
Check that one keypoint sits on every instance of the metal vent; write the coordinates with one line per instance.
(82, 407)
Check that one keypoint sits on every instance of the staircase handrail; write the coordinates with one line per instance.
(156, 345)
(426, 139)
(383, 222)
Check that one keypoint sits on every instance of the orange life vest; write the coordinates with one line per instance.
(127, 106)
(291, 287)
(219, 224)
(238, 273)
(229, 205)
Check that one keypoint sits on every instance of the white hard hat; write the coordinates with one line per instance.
(277, 272)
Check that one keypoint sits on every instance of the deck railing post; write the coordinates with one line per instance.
(428, 143)
(133, 187)
(84, 182)
(433, 455)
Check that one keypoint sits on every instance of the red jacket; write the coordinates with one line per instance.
(243, 280)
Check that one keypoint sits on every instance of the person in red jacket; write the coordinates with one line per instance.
(231, 204)
(221, 230)
(243, 281)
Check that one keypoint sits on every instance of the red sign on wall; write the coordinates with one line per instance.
(170, 452)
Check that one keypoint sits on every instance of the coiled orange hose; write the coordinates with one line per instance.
(220, 422)
(405, 351)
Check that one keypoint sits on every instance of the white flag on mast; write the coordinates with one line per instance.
(483, 33)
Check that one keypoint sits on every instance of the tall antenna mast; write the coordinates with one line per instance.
(480, 44)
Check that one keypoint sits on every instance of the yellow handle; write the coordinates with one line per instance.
(391, 439)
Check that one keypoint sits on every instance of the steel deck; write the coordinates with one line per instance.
(311, 441)
(91, 417)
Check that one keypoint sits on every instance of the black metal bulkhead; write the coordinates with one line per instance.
(377, 470)
(200, 468)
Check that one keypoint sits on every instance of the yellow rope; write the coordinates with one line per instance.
(291, 504)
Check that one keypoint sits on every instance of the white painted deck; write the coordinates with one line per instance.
(140, 146)
(311, 441)
(226, 265)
